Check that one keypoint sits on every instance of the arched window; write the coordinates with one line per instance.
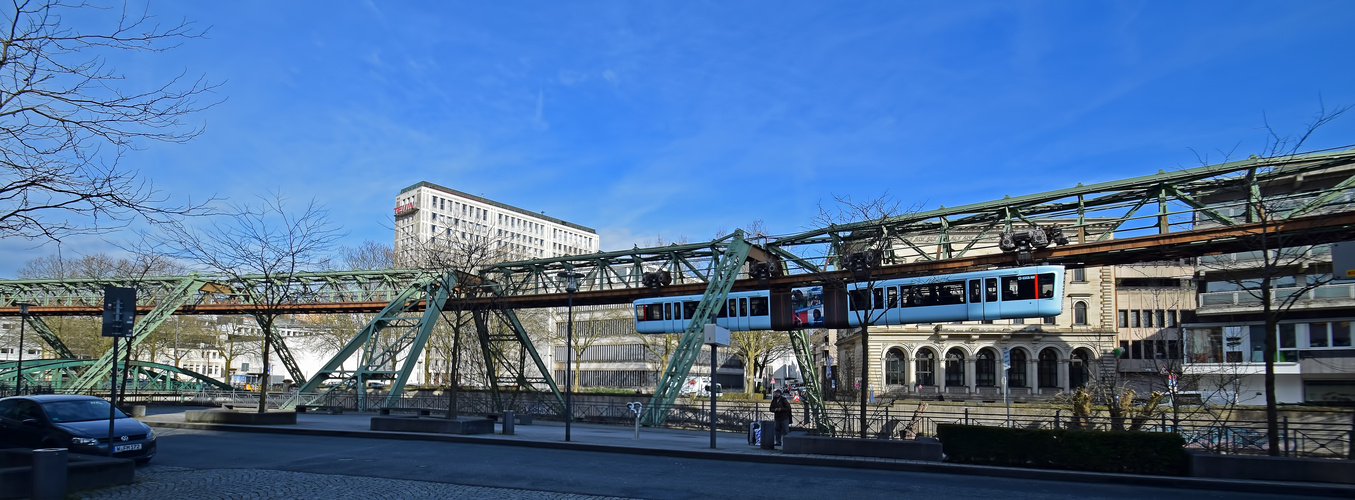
(894, 367)
(1079, 313)
(926, 367)
(1016, 377)
(1048, 368)
(955, 368)
(1079, 368)
(985, 368)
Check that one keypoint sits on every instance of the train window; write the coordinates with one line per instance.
(912, 296)
(858, 300)
(990, 290)
(724, 311)
(689, 309)
(640, 312)
(951, 293)
(653, 312)
(733, 308)
(893, 297)
(668, 311)
(757, 306)
(923, 296)
(743, 307)
(1018, 288)
(975, 291)
(1046, 285)
(879, 297)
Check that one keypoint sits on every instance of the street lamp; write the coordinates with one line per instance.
(19, 373)
(571, 281)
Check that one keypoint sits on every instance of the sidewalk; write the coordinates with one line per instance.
(729, 446)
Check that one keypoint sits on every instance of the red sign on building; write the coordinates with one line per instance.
(404, 209)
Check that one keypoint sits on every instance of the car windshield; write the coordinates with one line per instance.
(79, 411)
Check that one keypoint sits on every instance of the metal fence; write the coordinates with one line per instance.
(1331, 438)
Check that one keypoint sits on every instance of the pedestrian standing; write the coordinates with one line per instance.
(781, 412)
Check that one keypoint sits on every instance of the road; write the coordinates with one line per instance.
(214, 464)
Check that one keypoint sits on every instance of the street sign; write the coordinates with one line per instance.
(1007, 359)
(119, 311)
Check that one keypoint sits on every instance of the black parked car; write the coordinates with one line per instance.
(77, 423)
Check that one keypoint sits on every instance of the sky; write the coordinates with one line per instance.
(671, 120)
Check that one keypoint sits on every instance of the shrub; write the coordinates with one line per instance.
(1094, 451)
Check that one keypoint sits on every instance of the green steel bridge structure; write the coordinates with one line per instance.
(1294, 200)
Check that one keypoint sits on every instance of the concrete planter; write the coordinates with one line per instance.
(460, 425)
(240, 417)
(1308, 470)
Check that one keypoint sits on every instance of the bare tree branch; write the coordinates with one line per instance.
(67, 118)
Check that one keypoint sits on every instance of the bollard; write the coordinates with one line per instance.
(769, 434)
(49, 474)
(509, 420)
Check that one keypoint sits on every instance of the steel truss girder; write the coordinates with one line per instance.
(1090, 205)
(619, 270)
(799, 342)
(85, 296)
(58, 370)
(722, 273)
(186, 289)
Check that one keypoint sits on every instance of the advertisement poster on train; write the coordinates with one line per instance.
(807, 303)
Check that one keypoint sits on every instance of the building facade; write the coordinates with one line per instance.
(429, 216)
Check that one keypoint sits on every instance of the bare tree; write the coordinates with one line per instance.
(1276, 260)
(860, 252)
(69, 117)
(367, 256)
(661, 346)
(466, 256)
(270, 244)
(757, 348)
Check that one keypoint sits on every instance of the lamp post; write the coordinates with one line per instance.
(19, 372)
(571, 281)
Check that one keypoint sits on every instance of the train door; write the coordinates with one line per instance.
(974, 300)
(992, 308)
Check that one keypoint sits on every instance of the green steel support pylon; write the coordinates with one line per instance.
(284, 354)
(411, 330)
(40, 327)
(799, 341)
(492, 349)
(186, 289)
(724, 271)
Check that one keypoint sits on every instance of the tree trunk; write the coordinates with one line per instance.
(865, 375)
(263, 376)
(1271, 351)
(454, 380)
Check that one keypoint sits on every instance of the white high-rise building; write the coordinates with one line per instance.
(428, 215)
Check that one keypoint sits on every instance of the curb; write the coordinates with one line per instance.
(1263, 487)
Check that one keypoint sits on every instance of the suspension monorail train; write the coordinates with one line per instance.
(1023, 292)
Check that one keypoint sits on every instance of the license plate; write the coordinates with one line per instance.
(126, 447)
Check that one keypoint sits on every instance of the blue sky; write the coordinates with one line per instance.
(683, 119)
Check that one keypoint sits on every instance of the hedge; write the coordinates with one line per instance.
(1157, 453)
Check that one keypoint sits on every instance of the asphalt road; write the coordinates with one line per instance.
(602, 474)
